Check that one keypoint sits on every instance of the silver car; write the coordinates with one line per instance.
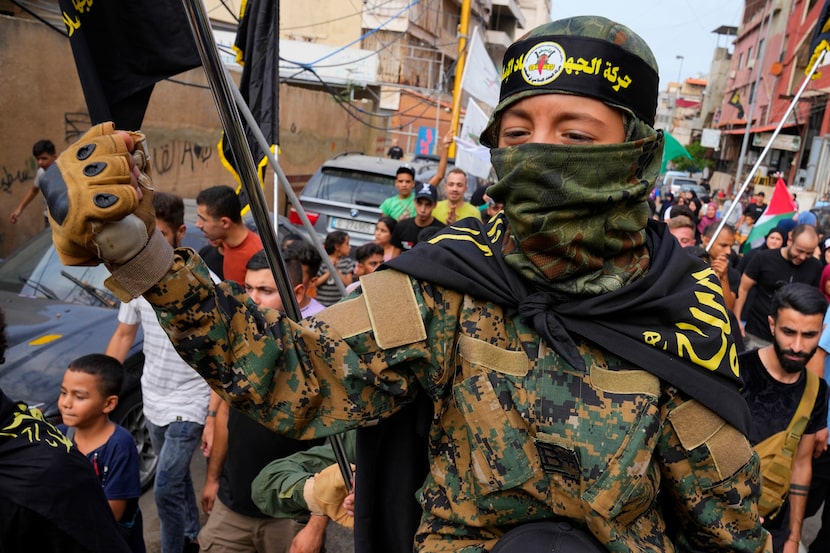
(346, 191)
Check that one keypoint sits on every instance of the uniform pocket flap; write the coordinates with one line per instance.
(492, 357)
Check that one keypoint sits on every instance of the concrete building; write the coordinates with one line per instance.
(768, 65)
(393, 78)
(417, 51)
(679, 109)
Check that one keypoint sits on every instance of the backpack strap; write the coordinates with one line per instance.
(798, 424)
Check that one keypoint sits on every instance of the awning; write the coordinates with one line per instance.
(762, 128)
(732, 123)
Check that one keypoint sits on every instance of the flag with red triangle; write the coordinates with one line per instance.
(780, 207)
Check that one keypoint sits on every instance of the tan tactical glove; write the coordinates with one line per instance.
(94, 210)
(324, 494)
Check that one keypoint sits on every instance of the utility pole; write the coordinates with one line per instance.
(463, 35)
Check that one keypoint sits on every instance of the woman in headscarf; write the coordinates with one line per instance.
(775, 238)
(824, 282)
(709, 216)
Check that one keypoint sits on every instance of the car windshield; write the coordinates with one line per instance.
(35, 271)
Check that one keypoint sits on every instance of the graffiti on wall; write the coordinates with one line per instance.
(174, 156)
(181, 156)
(75, 124)
(9, 176)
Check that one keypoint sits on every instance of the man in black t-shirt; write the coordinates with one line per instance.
(769, 270)
(395, 151)
(407, 232)
(774, 382)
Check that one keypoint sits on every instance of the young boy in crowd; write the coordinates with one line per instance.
(89, 393)
(369, 256)
(402, 205)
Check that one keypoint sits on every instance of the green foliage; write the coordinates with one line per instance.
(698, 162)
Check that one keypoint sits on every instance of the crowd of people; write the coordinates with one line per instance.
(564, 365)
(789, 268)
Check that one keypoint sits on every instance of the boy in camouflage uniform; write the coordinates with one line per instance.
(579, 364)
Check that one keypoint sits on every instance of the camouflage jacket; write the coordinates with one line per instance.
(518, 435)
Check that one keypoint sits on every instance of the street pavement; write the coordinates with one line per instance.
(338, 539)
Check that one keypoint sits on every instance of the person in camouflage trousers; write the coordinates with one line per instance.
(580, 366)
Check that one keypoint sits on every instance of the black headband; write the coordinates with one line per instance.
(584, 66)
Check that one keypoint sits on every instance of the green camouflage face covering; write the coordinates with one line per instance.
(577, 214)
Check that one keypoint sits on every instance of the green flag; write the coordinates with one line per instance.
(671, 150)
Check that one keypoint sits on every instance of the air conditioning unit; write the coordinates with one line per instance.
(750, 63)
(731, 74)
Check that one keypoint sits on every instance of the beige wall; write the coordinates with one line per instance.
(341, 24)
(40, 97)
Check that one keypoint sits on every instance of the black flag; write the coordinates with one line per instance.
(735, 101)
(257, 50)
(821, 38)
(122, 48)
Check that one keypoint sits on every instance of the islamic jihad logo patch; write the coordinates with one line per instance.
(543, 63)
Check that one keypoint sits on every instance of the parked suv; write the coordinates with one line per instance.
(345, 193)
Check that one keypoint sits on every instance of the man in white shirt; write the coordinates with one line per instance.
(175, 400)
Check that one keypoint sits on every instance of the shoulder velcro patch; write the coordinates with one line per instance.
(348, 318)
(393, 309)
(697, 425)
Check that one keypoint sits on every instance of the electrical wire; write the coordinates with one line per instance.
(232, 13)
(348, 111)
(358, 39)
(43, 20)
(316, 23)
(427, 101)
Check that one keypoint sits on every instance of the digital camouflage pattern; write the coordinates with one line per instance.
(577, 213)
(518, 435)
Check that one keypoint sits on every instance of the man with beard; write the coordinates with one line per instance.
(769, 270)
(577, 366)
(788, 406)
(455, 208)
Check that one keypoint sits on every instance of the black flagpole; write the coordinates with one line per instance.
(234, 133)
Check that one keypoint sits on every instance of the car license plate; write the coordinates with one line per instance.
(352, 225)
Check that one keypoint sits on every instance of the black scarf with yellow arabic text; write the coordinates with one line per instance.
(672, 322)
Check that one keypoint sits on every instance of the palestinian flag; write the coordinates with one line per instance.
(780, 207)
